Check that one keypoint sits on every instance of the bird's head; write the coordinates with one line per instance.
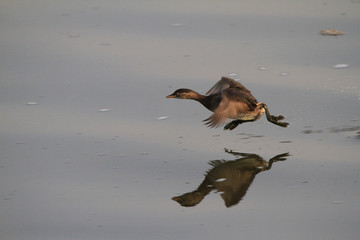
(183, 93)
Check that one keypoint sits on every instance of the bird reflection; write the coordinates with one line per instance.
(231, 178)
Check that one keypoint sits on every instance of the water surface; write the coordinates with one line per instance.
(85, 156)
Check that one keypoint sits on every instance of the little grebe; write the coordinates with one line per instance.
(229, 99)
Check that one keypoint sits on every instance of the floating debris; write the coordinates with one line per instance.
(104, 110)
(358, 135)
(341, 65)
(284, 74)
(331, 32)
(233, 74)
(162, 118)
(262, 68)
(32, 103)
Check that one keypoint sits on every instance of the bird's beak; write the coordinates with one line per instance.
(170, 96)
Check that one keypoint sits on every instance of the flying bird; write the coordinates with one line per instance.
(230, 99)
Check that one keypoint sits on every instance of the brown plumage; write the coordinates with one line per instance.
(229, 99)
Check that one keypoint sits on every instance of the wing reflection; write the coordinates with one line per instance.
(231, 178)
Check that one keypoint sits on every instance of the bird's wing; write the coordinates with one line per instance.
(235, 186)
(232, 104)
(231, 181)
(225, 83)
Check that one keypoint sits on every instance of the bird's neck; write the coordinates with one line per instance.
(210, 102)
(204, 100)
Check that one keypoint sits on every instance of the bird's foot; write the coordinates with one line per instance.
(278, 117)
(280, 157)
(233, 124)
(283, 124)
(276, 120)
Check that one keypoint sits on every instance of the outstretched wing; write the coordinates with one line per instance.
(232, 181)
(225, 83)
(234, 102)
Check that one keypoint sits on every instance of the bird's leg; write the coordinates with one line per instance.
(280, 157)
(274, 119)
(233, 124)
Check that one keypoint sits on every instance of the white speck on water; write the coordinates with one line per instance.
(104, 110)
(31, 103)
(337, 202)
(220, 179)
(284, 74)
(233, 74)
(162, 118)
(340, 66)
(177, 24)
(262, 68)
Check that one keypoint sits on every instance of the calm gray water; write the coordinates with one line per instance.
(92, 149)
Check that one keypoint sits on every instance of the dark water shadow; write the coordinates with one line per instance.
(338, 129)
(230, 177)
